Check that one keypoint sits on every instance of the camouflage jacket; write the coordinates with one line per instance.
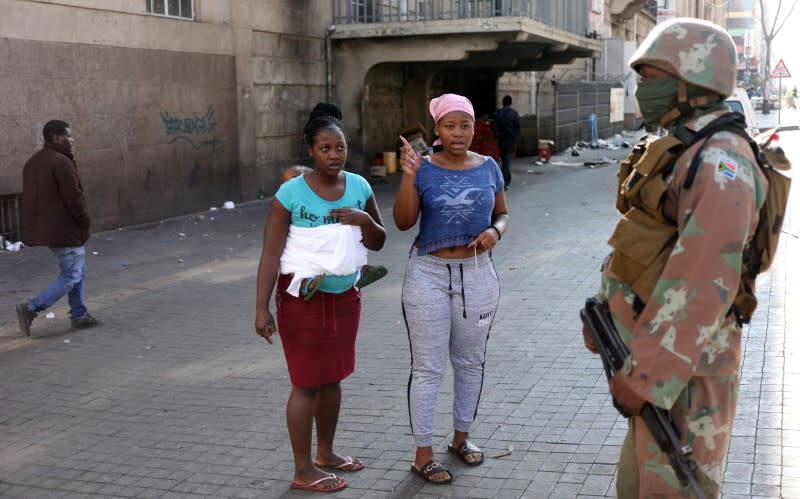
(685, 328)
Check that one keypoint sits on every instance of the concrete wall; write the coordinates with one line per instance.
(384, 109)
(242, 76)
(280, 70)
(155, 130)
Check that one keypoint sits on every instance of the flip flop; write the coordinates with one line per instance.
(317, 485)
(466, 448)
(370, 274)
(349, 464)
(312, 286)
(431, 468)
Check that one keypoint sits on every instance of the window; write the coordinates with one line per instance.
(364, 11)
(171, 8)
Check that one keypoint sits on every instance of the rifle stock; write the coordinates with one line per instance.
(597, 319)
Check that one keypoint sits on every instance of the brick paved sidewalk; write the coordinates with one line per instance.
(175, 395)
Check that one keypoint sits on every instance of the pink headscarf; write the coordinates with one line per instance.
(448, 103)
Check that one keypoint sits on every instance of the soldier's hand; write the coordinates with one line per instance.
(588, 341)
(624, 396)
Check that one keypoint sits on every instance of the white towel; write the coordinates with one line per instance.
(332, 249)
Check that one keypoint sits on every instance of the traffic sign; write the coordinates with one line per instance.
(780, 71)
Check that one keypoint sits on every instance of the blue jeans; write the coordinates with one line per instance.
(69, 282)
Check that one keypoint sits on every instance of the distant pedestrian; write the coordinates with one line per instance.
(311, 217)
(506, 124)
(450, 289)
(55, 215)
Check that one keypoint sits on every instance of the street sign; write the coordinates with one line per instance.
(780, 71)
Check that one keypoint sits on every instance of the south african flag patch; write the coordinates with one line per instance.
(727, 167)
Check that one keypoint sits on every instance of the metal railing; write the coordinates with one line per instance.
(568, 15)
(10, 217)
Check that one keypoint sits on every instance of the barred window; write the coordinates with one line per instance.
(171, 8)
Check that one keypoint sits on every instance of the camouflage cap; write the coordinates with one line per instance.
(696, 51)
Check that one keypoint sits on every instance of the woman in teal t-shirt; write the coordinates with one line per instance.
(318, 335)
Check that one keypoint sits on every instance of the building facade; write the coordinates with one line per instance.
(178, 105)
(175, 105)
(743, 23)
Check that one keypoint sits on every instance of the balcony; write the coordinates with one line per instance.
(504, 35)
(564, 15)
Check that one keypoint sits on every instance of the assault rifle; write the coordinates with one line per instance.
(597, 319)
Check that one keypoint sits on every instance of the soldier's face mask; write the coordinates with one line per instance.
(656, 98)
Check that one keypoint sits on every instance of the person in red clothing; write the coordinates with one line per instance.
(55, 215)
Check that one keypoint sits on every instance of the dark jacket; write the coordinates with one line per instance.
(506, 124)
(53, 208)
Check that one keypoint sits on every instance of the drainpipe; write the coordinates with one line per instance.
(555, 112)
(329, 64)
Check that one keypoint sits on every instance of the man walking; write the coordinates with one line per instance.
(54, 213)
(506, 125)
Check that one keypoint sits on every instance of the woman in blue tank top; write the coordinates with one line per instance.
(450, 288)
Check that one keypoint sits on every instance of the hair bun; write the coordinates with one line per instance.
(325, 109)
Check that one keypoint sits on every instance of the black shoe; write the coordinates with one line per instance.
(25, 317)
(85, 322)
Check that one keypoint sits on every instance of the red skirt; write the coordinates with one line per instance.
(319, 335)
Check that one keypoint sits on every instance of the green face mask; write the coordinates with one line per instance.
(655, 98)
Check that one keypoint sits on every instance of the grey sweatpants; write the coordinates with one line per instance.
(447, 304)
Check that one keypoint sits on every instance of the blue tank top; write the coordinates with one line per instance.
(456, 205)
(310, 210)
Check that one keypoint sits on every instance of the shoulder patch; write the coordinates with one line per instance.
(727, 167)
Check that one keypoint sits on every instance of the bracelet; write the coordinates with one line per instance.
(499, 234)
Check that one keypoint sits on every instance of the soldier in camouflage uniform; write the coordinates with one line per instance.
(674, 271)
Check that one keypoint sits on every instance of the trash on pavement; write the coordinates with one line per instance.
(9, 246)
(50, 315)
(505, 452)
(598, 163)
(228, 205)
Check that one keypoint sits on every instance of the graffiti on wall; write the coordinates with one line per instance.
(195, 130)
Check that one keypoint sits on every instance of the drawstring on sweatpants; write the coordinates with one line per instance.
(450, 285)
(449, 277)
(463, 297)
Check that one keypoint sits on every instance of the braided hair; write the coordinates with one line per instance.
(324, 115)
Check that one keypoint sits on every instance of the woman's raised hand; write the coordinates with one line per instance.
(409, 158)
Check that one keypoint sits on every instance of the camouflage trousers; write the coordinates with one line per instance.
(704, 414)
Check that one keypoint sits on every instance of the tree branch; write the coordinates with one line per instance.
(763, 20)
(786, 18)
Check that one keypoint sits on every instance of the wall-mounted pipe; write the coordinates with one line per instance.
(329, 64)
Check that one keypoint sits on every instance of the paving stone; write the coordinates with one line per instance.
(175, 396)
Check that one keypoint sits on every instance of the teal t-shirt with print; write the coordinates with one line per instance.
(310, 210)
